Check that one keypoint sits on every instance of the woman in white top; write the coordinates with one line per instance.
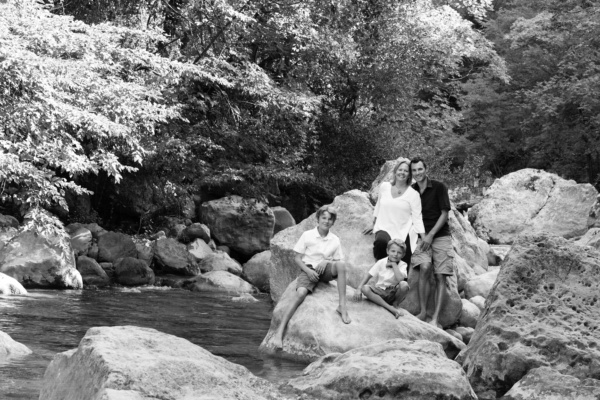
(397, 214)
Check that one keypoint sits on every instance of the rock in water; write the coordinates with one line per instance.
(127, 362)
(542, 311)
(316, 329)
(91, 272)
(10, 348)
(355, 214)
(532, 201)
(39, 262)
(131, 271)
(219, 281)
(394, 369)
(256, 270)
(545, 383)
(173, 257)
(9, 285)
(220, 261)
(245, 225)
(115, 245)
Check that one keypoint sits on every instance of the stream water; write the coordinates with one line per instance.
(49, 322)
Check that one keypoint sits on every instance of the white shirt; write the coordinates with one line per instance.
(384, 277)
(399, 216)
(315, 248)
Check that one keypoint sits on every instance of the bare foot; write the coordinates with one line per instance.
(277, 341)
(396, 313)
(344, 314)
(422, 316)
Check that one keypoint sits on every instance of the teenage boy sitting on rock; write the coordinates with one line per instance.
(389, 274)
(318, 255)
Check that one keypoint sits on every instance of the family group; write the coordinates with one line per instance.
(411, 229)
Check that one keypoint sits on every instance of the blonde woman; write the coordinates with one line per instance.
(397, 213)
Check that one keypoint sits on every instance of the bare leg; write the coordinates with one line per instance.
(439, 298)
(424, 287)
(300, 295)
(375, 298)
(339, 268)
(401, 293)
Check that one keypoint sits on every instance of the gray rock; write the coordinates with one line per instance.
(591, 238)
(173, 257)
(220, 261)
(466, 333)
(145, 250)
(195, 231)
(199, 249)
(109, 268)
(128, 362)
(256, 270)
(394, 369)
(91, 272)
(81, 240)
(7, 221)
(479, 301)
(9, 285)
(219, 281)
(10, 349)
(482, 284)
(283, 219)
(545, 383)
(469, 315)
(115, 245)
(245, 225)
(130, 271)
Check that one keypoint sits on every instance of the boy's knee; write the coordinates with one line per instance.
(340, 266)
(425, 267)
(301, 292)
(365, 290)
(403, 286)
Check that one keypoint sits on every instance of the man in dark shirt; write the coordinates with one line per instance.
(435, 247)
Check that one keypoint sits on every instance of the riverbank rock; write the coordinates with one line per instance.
(245, 225)
(39, 262)
(469, 315)
(451, 307)
(91, 272)
(115, 245)
(417, 370)
(220, 261)
(591, 238)
(219, 281)
(145, 250)
(172, 257)
(594, 216)
(10, 348)
(479, 301)
(466, 333)
(547, 384)
(316, 329)
(81, 239)
(532, 201)
(256, 270)
(130, 271)
(9, 285)
(482, 284)
(128, 362)
(195, 231)
(199, 249)
(355, 214)
(283, 219)
(542, 311)
(465, 242)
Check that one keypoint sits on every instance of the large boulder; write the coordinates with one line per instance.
(199, 249)
(451, 307)
(594, 216)
(256, 270)
(115, 245)
(283, 219)
(545, 383)
(91, 272)
(173, 257)
(220, 261)
(131, 271)
(354, 214)
(219, 281)
(40, 262)
(9, 285)
(195, 231)
(245, 225)
(81, 239)
(465, 242)
(532, 201)
(128, 362)
(481, 284)
(145, 250)
(316, 329)
(542, 311)
(10, 348)
(416, 370)
(469, 315)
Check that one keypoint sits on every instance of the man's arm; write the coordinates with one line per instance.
(312, 274)
(428, 238)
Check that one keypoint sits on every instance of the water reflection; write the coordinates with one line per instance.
(49, 322)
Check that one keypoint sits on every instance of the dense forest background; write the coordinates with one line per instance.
(136, 105)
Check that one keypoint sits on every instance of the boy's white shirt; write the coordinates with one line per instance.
(384, 277)
(315, 248)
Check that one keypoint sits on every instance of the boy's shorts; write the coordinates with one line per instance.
(304, 280)
(440, 254)
(388, 294)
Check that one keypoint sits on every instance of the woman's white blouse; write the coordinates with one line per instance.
(399, 216)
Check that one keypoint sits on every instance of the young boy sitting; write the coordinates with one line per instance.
(389, 274)
(318, 255)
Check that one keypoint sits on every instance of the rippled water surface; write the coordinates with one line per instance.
(49, 322)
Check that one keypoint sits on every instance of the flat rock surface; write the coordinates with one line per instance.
(394, 369)
(532, 201)
(128, 362)
(547, 384)
(316, 329)
(542, 311)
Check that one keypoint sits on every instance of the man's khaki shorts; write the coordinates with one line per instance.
(440, 254)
